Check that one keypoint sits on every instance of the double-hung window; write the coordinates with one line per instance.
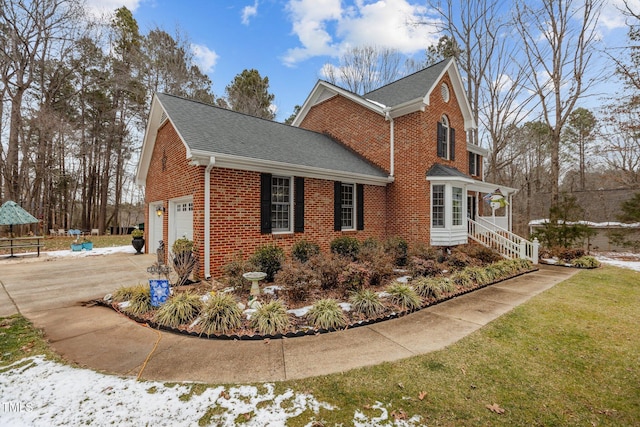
(437, 206)
(474, 164)
(446, 139)
(456, 205)
(347, 209)
(281, 204)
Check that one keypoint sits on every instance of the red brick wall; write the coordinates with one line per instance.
(361, 129)
(415, 138)
(176, 178)
(235, 216)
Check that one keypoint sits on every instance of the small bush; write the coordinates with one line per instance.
(180, 308)
(403, 296)
(367, 302)
(427, 287)
(462, 279)
(398, 248)
(345, 246)
(137, 233)
(481, 253)
(568, 254)
(233, 272)
(424, 267)
(303, 250)
(268, 259)
(182, 245)
(139, 301)
(327, 268)
(424, 251)
(459, 259)
(523, 264)
(270, 318)
(378, 262)
(220, 314)
(354, 277)
(326, 314)
(446, 285)
(296, 280)
(585, 262)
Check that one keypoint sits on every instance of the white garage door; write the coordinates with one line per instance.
(182, 220)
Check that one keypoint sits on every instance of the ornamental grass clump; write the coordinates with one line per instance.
(427, 287)
(478, 275)
(366, 302)
(446, 285)
(124, 293)
(326, 314)
(180, 308)
(585, 262)
(139, 301)
(220, 314)
(270, 318)
(463, 279)
(403, 296)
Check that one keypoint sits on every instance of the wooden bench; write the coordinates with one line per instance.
(12, 243)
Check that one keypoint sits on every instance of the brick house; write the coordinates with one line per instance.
(393, 162)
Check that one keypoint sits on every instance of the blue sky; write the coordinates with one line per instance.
(289, 41)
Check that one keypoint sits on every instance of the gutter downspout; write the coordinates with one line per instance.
(391, 143)
(207, 218)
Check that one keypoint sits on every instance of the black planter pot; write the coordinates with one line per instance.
(138, 244)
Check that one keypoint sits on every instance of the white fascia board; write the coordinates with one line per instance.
(451, 180)
(268, 166)
(407, 108)
(477, 149)
(488, 187)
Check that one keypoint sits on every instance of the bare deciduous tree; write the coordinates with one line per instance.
(559, 40)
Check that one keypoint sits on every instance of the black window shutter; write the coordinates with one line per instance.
(337, 206)
(441, 140)
(265, 203)
(452, 144)
(472, 164)
(360, 207)
(298, 226)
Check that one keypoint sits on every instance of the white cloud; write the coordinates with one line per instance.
(205, 58)
(249, 12)
(612, 17)
(100, 8)
(324, 27)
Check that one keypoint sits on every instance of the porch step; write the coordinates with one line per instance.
(508, 244)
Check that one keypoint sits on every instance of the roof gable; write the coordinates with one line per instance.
(404, 96)
(242, 141)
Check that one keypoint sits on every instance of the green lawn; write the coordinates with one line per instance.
(570, 356)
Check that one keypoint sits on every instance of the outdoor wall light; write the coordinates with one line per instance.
(160, 210)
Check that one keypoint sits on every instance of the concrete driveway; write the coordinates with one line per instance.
(50, 292)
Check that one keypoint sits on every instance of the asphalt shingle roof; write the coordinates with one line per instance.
(220, 131)
(408, 88)
(445, 171)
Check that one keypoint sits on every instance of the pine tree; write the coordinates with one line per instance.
(249, 94)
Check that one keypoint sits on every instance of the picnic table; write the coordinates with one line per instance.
(21, 242)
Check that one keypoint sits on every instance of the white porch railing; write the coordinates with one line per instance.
(508, 244)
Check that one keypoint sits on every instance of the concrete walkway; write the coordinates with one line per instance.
(50, 292)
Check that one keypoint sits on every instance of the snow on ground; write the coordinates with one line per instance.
(620, 259)
(92, 252)
(39, 392)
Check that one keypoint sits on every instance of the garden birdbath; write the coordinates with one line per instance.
(254, 277)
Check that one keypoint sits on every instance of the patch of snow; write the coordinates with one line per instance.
(624, 260)
(345, 306)
(299, 312)
(403, 279)
(94, 252)
(607, 224)
(45, 393)
(361, 420)
(271, 290)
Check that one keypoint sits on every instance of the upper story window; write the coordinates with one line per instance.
(281, 204)
(446, 139)
(475, 161)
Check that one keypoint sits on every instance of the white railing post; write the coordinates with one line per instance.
(523, 249)
(534, 254)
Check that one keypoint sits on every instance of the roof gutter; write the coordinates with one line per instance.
(207, 217)
(391, 142)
